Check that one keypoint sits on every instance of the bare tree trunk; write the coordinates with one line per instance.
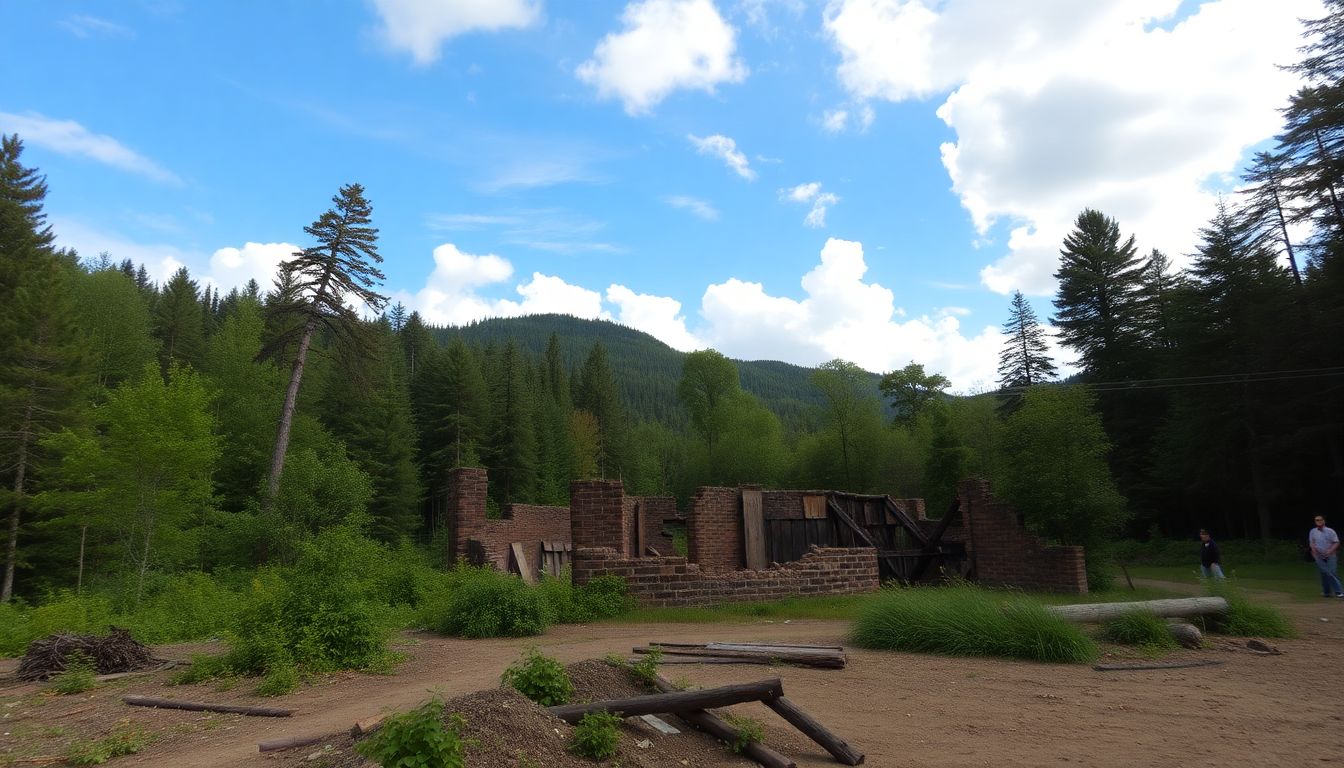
(287, 413)
(1287, 243)
(12, 546)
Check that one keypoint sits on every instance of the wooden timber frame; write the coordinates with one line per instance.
(906, 551)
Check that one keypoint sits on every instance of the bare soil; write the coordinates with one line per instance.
(900, 709)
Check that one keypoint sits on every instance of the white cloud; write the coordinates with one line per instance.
(842, 316)
(665, 45)
(84, 26)
(420, 27)
(838, 120)
(725, 149)
(1057, 105)
(68, 137)
(695, 205)
(233, 267)
(811, 193)
(658, 316)
(835, 120)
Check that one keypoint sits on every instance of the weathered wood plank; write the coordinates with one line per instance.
(753, 530)
(524, 567)
(838, 747)
(716, 727)
(1179, 607)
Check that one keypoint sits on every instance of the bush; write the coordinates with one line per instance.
(748, 732)
(1246, 617)
(62, 612)
(596, 736)
(417, 738)
(482, 602)
(539, 678)
(77, 676)
(968, 621)
(603, 597)
(1140, 628)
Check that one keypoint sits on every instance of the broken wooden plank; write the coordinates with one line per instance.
(838, 747)
(681, 701)
(191, 706)
(753, 530)
(367, 725)
(524, 567)
(823, 660)
(814, 507)
(858, 531)
(660, 725)
(716, 727)
(933, 545)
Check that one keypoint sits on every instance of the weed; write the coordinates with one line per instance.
(77, 677)
(539, 678)
(748, 732)
(125, 739)
(646, 669)
(596, 736)
(417, 738)
(1140, 628)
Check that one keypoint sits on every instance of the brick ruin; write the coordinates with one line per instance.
(749, 544)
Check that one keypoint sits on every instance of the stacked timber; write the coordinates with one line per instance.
(820, 656)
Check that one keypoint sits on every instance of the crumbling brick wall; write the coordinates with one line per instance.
(598, 515)
(714, 529)
(672, 581)
(658, 509)
(1006, 554)
(529, 524)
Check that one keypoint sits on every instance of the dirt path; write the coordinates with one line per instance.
(901, 709)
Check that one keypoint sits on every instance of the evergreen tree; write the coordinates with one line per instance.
(596, 393)
(1025, 359)
(511, 448)
(416, 341)
(318, 282)
(116, 325)
(179, 322)
(554, 450)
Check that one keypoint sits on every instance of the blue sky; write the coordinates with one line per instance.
(777, 179)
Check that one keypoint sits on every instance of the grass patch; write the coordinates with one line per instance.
(1298, 579)
(968, 621)
(1139, 628)
(125, 739)
(1245, 616)
(78, 675)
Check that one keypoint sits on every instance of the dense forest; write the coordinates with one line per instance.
(158, 428)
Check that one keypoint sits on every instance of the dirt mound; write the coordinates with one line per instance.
(115, 652)
(596, 679)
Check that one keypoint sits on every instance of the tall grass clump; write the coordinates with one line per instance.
(1141, 628)
(482, 602)
(603, 597)
(969, 621)
(1246, 617)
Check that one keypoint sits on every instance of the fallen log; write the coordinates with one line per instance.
(1188, 635)
(1181, 607)
(805, 658)
(1154, 665)
(838, 747)
(289, 742)
(715, 726)
(190, 706)
(681, 701)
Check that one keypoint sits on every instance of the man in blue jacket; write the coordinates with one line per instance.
(1210, 559)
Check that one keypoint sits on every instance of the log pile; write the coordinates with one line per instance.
(116, 652)
(820, 656)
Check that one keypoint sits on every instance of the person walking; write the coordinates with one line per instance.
(1324, 544)
(1210, 559)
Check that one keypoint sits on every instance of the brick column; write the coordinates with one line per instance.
(597, 516)
(465, 509)
(714, 529)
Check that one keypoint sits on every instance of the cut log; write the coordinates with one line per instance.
(1181, 607)
(838, 747)
(1188, 635)
(681, 701)
(191, 706)
(716, 727)
(289, 742)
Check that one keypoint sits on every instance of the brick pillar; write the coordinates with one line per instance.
(597, 515)
(465, 509)
(714, 529)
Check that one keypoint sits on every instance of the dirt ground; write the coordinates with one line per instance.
(900, 709)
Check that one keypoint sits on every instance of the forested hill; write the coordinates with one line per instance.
(646, 369)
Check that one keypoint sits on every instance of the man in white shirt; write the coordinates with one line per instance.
(1324, 544)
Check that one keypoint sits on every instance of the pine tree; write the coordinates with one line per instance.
(179, 322)
(596, 393)
(319, 281)
(511, 448)
(116, 324)
(1025, 359)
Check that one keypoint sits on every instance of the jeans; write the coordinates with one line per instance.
(1329, 581)
(1215, 570)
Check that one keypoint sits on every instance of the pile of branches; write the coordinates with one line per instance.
(115, 652)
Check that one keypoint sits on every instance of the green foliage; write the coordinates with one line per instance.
(417, 739)
(482, 602)
(539, 678)
(67, 612)
(125, 739)
(968, 621)
(1140, 628)
(77, 677)
(911, 390)
(747, 732)
(646, 669)
(1245, 616)
(278, 680)
(596, 736)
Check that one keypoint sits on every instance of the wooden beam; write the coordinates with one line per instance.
(716, 727)
(933, 546)
(753, 530)
(844, 517)
(838, 747)
(1180, 607)
(682, 701)
(907, 522)
(190, 706)
(524, 567)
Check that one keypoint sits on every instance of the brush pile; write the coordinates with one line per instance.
(115, 652)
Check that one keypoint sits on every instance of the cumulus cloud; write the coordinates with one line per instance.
(658, 316)
(420, 27)
(232, 267)
(1120, 105)
(68, 137)
(839, 120)
(725, 149)
(665, 45)
(695, 205)
(453, 293)
(810, 192)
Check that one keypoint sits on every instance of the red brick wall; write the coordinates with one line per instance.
(656, 510)
(1006, 554)
(598, 517)
(663, 581)
(529, 524)
(714, 529)
(464, 510)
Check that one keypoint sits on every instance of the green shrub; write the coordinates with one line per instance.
(482, 602)
(968, 621)
(61, 612)
(77, 677)
(202, 668)
(748, 732)
(279, 680)
(596, 736)
(539, 678)
(186, 606)
(125, 739)
(1140, 628)
(603, 597)
(1246, 617)
(417, 739)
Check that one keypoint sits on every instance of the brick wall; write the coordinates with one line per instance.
(656, 510)
(464, 510)
(530, 524)
(714, 529)
(666, 581)
(598, 515)
(1006, 554)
